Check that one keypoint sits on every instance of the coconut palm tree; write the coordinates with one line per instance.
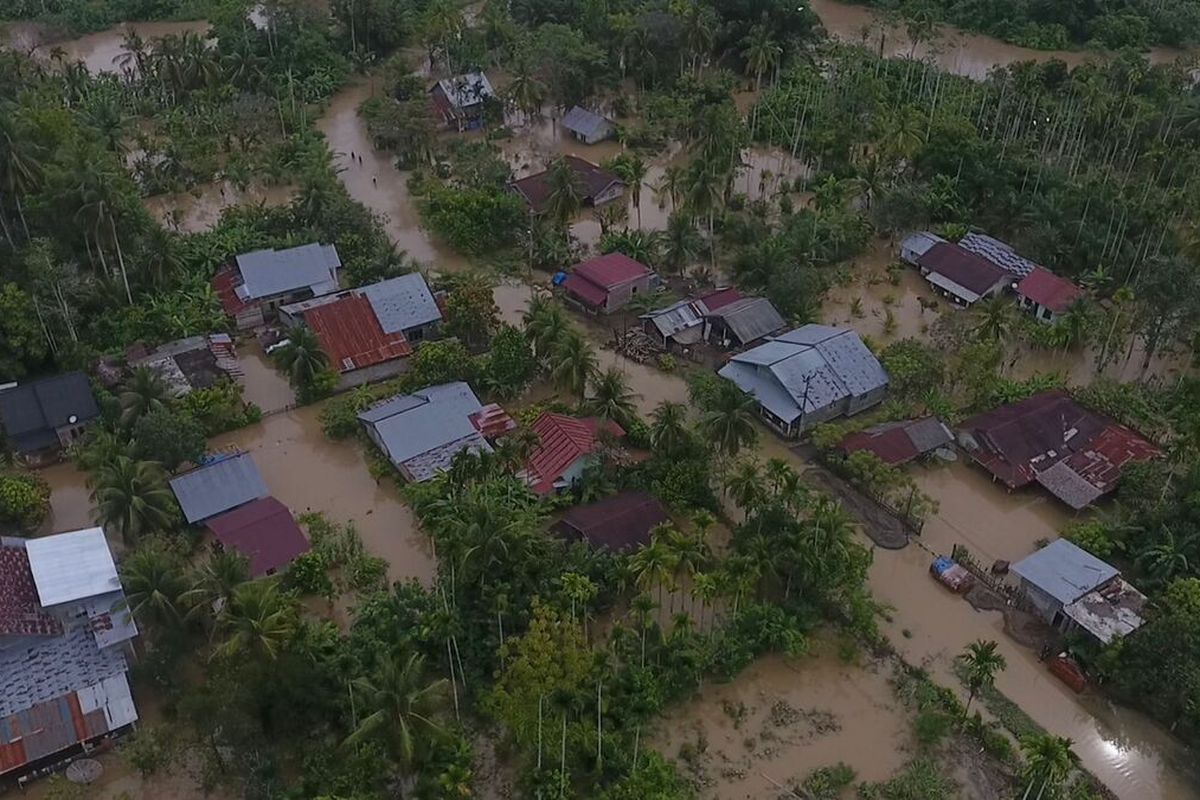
(153, 580)
(705, 194)
(982, 662)
(21, 163)
(671, 186)
(681, 243)
(399, 705)
(745, 485)
(132, 496)
(573, 363)
(728, 422)
(216, 582)
(146, 391)
(545, 324)
(995, 318)
(611, 397)
(630, 168)
(1048, 761)
(525, 92)
(689, 554)
(706, 587)
(668, 433)
(653, 563)
(302, 358)
(256, 622)
(565, 192)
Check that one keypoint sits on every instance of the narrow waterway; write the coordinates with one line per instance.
(969, 54)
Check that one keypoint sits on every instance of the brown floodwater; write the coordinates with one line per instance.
(377, 184)
(98, 51)
(969, 54)
(877, 308)
(308, 472)
(262, 384)
(780, 719)
(199, 208)
(70, 499)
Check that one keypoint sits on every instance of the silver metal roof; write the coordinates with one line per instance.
(999, 253)
(674, 318)
(72, 566)
(1064, 571)
(217, 487)
(585, 122)
(919, 243)
(467, 90)
(402, 303)
(750, 318)
(426, 429)
(266, 273)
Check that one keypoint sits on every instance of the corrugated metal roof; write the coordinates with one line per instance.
(965, 268)
(919, 243)
(351, 336)
(266, 273)
(466, 90)
(563, 440)
(402, 303)
(492, 421)
(586, 123)
(674, 318)
(583, 289)
(31, 411)
(72, 566)
(1064, 571)
(1113, 611)
(217, 487)
(263, 531)
(999, 253)
(1047, 289)
(620, 523)
(595, 180)
(717, 299)
(611, 270)
(750, 318)
(427, 422)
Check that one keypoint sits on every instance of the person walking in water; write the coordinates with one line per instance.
(352, 156)
(374, 181)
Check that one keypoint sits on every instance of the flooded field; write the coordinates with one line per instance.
(376, 183)
(878, 308)
(100, 51)
(970, 54)
(308, 472)
(199, 208)
(779, 720)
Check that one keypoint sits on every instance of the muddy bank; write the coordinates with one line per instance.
(308, 472)
(779, 720)
(969, 54)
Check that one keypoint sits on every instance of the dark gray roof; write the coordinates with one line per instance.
(425, 430)
(1064, 571)
(402, 303)
(999, 253)
(30, 412)
(928, 433)
(266, 273)
(586, 123)
(217, 487)
(750, 318)
(833, 362)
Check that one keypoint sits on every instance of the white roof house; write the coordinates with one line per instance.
(72, 566)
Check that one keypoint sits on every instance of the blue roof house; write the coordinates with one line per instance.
(587, 126)
(217, 487)
(807, 376)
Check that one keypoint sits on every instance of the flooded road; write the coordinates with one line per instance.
(308, 472)
(377, 184)
(780, 719)
(969, 54)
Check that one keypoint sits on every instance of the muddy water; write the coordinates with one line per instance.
(262, 384)
(98, 51)
(962, 53)
(377, 184)
(70, 499)
(308, 472)
(199, 208)
(847, 713)
(875, 306)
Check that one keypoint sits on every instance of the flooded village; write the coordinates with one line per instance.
(982, 504)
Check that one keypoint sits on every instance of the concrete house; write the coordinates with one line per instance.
(422, 432)
(587, 126)
(369, 332)
(604, 284)
(42, 417)
(566, 447)
(1045, 295)
(460, 101)
(961, 275)
(808, 376)
(599, 185)
(1071, 589)
(252, 289)
(64, 639)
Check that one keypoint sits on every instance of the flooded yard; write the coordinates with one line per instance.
(199, 208)
(780, 719)
(880, 304)
(262, 384)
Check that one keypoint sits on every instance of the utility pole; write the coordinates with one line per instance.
(808, 379)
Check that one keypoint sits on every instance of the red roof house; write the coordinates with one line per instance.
(1073, 452)
(620, 523)
(606, 283)
(598, 185)
(1046, 294)
(350, 333)
(565, 447)
(263, 531)
(897, 443)
(20, 612)
(961, 275)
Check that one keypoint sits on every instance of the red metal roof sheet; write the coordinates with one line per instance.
(719, 298)
(892, 446)
(582, 289)
(621, 522)
(20, 612)
(1101, 462)
(263, 531)
(611, 270)
(965, 268)
(351, 334)
(225, 284)
(1047, 289)
(563, 440)
(492, 421)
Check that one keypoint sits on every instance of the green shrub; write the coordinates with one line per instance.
(24, 499)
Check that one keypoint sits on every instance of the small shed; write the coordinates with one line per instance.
(604, 284)
(742, 322)
(897, 443)
(587, 126)
(619, 523)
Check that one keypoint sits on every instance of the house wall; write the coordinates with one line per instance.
(1039, 312)
(574, 473)
(608, 195)
(375, 372)
(251, 317)
(618, 296)
(373, 435)
(68, 434)
(864, 401)
(1045, 605)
